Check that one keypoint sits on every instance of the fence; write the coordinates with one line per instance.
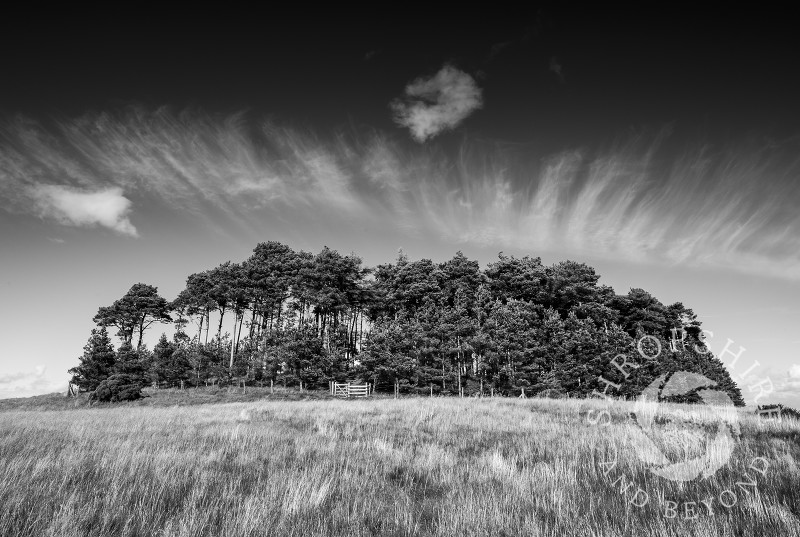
(777, 412)
(347, 389)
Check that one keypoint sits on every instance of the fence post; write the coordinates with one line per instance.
(431, 390)
(271, 391)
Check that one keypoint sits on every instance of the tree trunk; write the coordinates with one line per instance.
(239, 335)
(141, 333)
(458, 339)
(219, 330)
(252, 322)
(360, 330)
(233, 342)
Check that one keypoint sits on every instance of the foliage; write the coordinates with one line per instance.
(140, 307)
(127, 378)
(118, 387)
(97, 362)
(297, 317)
(171, 363)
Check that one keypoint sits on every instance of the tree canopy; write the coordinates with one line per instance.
(140, 307)
(447, 326)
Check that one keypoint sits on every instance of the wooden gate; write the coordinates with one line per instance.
(340, 390)
(358, 390)
(347, 389)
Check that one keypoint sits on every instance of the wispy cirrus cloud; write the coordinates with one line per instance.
(643, 200)
(434, 104)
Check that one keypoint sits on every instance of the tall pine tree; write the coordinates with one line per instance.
(97, 362)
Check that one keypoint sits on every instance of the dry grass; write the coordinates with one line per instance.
(376, 467)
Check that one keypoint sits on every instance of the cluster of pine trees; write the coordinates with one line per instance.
(302, 319)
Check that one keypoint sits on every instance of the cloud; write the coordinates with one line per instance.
(785, 387)
(107, 208)
(27, 383)
(647, 199)
(555, 66)
(792, 384)
(790, 388)
(435, 104)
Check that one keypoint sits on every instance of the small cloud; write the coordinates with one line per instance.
(56, 240)
(784, 389)
(438, 103)
(371, 54)
(9, 378)
(556, 67)
(27, 383)
(71, 207)
(793, 379)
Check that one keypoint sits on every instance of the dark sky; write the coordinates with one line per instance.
(712, 73)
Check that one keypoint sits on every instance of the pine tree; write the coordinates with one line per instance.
(97, 362)
(161, 369)
(517, 325)
(126, 381)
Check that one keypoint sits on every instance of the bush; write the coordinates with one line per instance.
(118, 387)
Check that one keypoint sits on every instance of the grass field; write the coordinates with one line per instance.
(441, 466)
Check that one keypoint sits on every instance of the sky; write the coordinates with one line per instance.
(662, 150)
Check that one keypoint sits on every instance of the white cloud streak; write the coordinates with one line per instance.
(107, 208)
(731, 208)
(438, 103)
